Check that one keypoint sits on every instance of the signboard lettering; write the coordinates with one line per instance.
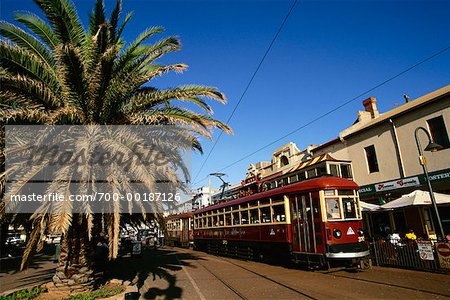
(425, 250)
(396, 184)
(443, 251)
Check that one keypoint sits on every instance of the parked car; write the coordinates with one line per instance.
(14, 240)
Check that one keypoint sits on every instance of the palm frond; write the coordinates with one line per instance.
(114, 21)
(72, 72)
(26, 41)
(17, 61)
(97, 17)
(39, 27)
(122, 26)
(64, 19)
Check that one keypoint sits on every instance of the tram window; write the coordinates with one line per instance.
(217, 221)
(285, 181)
(333, 209)
(301, 176)
(346, 171)
(316, 206)
(322, 170)
(278, 213)
(293, 179)
(277, 200)
(228, 220)
(346, 192)
(329, 192)
(244, 217)
(265, 214)
(334, 170)
(264, 201)
(253, 203)
(235, 207)
(254, 217)
(311, 173)
(208, 221)
(349, 208)
(236, 219)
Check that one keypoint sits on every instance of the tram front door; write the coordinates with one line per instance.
(305, 222)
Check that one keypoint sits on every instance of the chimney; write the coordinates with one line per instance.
(370, 105)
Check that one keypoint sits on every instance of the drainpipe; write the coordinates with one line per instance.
(397, 149)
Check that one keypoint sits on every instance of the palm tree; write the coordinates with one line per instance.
(57, 73)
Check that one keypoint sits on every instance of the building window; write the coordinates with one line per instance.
(438, 131)
(284, 161)
(371, 159)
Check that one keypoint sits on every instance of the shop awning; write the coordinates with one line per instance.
(417, 197)
(369, 207)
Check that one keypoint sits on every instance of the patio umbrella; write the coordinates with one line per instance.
(369, 207)
(417, 197)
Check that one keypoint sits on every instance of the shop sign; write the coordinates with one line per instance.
(368, 189)
(425, 250)
(443, 250)
(397, 184)
(445, 175)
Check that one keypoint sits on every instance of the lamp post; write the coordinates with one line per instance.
(433, 147)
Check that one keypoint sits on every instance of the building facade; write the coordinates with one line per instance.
(385, 158)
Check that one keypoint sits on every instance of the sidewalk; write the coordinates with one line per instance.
(41, 270)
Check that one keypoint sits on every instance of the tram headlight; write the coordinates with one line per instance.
(361, 232)
(337, 233)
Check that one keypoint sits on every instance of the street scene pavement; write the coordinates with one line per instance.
(40, 271)
(169, 273)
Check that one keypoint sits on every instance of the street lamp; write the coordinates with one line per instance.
(433, 147)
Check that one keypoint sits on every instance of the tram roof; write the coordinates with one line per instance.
(307, 185)
(180, 216)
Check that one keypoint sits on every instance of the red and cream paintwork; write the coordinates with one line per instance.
(315, 221)
(179, 231)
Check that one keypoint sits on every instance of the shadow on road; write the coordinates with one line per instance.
(151, 266)
(40, 270)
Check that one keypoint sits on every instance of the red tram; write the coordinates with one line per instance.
(314, 221)
(179, 230)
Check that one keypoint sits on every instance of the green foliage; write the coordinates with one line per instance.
(53, 71)
(24, 294)
(100, 293)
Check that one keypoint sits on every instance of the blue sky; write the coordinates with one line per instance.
(327, 53)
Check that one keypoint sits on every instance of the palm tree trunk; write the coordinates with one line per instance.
(75, 267)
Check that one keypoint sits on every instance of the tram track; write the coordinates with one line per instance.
(332, 273)
(223, 282)
(253, 272)
(329, 273)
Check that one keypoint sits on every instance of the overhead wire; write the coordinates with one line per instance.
(332, 110)
(247, 86)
